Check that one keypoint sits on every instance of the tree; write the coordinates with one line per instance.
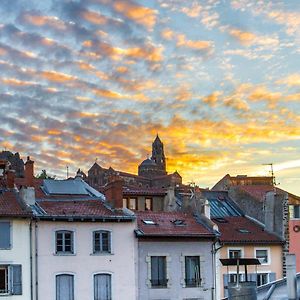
(44, 175)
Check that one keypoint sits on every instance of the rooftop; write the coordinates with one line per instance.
(241, 230)
(170, 224)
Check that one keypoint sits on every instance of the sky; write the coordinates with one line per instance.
(96, 80)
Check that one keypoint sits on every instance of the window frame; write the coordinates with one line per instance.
(260, 274)
(241, 249)
(13, 278)
(149, 275)
(64, 252)
(101, 251)
(7, 280)
(151, 204)
(197, 281)
(268, 255)
(10, 235)
(162, 281)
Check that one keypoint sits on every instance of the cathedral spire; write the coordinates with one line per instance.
(158, 154)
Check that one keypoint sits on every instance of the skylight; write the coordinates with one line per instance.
(243, 230)
(178, 222)
(149, 222)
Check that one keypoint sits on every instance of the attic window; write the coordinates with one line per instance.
(149, 222)
(243, 231)
(179, 222)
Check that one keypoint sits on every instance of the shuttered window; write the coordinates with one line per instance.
(11, 279)
(5, 242)
(102, 287)
(158, 271)
(64, 287)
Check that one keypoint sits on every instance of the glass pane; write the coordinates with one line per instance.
(262, 255)
(4, 235)
(148, 204)
(192, 271)
(105, 241)
(132, 203)
(3, 280)
(96, 241)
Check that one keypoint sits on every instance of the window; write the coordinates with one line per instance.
(158, 271)
(64, 287)
(297, 211)
(233, 277)
(235, 253)
(262, 255)
(101, 241)
(148, 204)
(132, 203)
(262, 278)
(64, 242)
(102, 287)
(124, 202)
(5, 235)
(192, 271)
(11, 279)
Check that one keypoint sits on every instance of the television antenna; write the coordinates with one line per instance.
(272, 173)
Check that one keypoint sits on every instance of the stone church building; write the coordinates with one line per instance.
(151, 172)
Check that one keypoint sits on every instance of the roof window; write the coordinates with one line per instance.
(243, 230)
(178, 222)
(149, 222)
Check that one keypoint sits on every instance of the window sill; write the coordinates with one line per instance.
(102, 254)
(64, 254)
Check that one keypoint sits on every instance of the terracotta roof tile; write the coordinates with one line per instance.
(165, 226)
(242, 230)
(259, 191)
(9, 205)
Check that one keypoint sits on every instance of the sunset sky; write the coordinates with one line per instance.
(219, 81)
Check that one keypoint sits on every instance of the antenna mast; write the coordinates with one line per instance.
(272, 173)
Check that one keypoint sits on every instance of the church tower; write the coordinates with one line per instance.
(158, 155)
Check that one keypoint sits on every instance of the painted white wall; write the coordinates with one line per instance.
(18, 254)
(83, 265)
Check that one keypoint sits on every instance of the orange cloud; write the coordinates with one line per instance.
(40, 20)
(196, 45)
(246, 38)
(54, 132)
(107, 94)
(57, 77)
(17, 82)
(192, 12)
(94, 17)
(141, 15)
(291, 80)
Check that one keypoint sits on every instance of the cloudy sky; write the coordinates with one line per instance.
(219, 80)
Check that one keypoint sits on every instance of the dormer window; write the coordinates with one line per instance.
(149, 222)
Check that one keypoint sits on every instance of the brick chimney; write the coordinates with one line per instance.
(114, 191)
(29, 172)
(10, 179)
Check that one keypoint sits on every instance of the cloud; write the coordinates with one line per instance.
(140, 14)
(292, 80)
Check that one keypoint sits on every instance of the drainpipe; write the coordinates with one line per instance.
(214, 251)
(31, 268)
(36, 262)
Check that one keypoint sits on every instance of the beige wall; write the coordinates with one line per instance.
(248, 251)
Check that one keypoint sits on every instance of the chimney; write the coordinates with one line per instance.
(207, 209)
(10, 179)
(269, 211)
(29, 172)
(114, 191)
(27, 194)
(291, 280)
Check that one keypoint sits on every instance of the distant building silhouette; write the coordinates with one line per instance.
(16, 163)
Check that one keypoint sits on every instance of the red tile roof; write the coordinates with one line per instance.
(259, 191)
(10, 207)
(165, 227)
(74, 208)
(229, 228)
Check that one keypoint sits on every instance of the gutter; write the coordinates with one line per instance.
(86, 218)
